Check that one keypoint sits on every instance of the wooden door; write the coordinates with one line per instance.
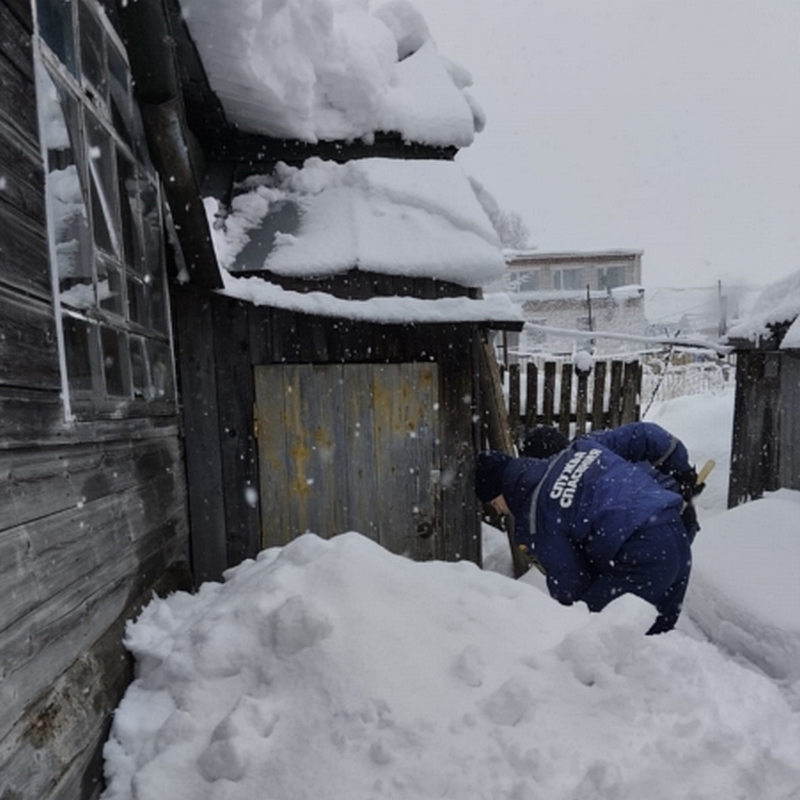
(350, 447)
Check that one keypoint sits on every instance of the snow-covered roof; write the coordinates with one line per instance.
(778, 303)
(331, 69)
(414, 218)
(417, 218)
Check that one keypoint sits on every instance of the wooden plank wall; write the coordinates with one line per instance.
(219, 410)
(789, 452)
(574, 401)
(92, 516)
(757, 434)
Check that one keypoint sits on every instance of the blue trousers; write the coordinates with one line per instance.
(654, 564)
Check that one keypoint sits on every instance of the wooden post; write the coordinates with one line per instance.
(514, 402)
(615, 395)
(630, 392)
(532, 395)
(565, 402)
(580, 406)
(499, 434)
(598, 396)
(549, 393)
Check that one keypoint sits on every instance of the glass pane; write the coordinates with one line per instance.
(115, 354)
(131, 212)
(78, 344)
(120, 95)
(57, 30)
(157, 297)
(109, 287)
(65, 191)
(136, 301)
(138, 367)
(102, 172)
(93, 59)
(152, 229)
(160, 371)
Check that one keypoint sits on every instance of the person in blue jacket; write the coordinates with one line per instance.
(603, 516)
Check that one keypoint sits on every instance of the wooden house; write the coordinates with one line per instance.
(765, 452)
(93, 510)
(119, 356)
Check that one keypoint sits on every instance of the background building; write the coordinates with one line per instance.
(599, 291)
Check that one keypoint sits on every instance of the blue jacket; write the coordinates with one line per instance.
(575, 510)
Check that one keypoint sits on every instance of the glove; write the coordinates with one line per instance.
(688, 485)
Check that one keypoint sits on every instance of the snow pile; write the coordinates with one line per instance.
(778, 303)
(745, 592)
(333, 669)
(330, 69)
(704, 423)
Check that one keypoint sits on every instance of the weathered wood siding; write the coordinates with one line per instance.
(221, 340)
(765, 453)
(351, 447)
(92, 515)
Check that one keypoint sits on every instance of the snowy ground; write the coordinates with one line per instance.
(333, 669)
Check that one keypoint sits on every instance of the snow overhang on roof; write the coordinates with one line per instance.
(324, 70)
(388, 216)
(417, 219)
(775, 312)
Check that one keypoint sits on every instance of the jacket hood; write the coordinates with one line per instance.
(520, 479)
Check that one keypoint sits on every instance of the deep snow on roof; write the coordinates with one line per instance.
(332, 69)
(396, 217)
(778, 303)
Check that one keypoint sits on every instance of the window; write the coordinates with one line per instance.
(105, 216)
(568, 279)
(612, 277)
(529, 281)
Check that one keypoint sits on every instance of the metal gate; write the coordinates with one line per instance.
(349, 447)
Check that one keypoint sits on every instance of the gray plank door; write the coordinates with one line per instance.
(350, 447)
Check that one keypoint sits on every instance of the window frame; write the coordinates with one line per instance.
(108, 321)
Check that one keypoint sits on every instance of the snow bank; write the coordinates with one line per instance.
(334, 669)
(745, 590)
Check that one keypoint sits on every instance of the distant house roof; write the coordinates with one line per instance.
(775, 316)
(534, 257)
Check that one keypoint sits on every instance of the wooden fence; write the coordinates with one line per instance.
(553, 393)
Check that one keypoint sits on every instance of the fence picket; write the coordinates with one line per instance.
(586, 400)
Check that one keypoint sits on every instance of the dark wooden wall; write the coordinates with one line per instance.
(220, 340)
(765, 453)
(92, 515)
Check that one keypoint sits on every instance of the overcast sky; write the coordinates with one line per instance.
(670, 126)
